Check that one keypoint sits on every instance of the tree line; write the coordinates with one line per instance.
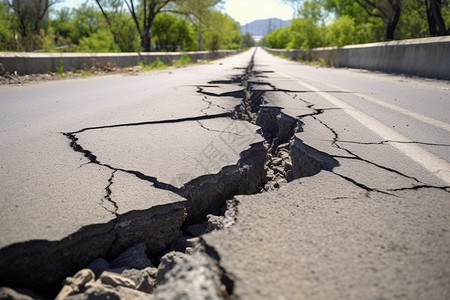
(321, 23)
(117, 26)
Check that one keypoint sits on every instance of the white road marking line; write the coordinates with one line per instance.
(404, 111)
(396, 108)
(429, 161)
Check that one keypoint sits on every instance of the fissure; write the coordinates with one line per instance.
(265, 166)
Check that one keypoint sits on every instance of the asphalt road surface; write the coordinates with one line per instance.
(350, 172)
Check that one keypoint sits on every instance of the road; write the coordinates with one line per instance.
(351, 200)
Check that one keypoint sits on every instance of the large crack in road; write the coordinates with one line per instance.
(277, 158)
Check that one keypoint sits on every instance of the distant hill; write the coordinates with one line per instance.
(263, 27)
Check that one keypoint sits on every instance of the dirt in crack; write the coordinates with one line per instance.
(277, 128)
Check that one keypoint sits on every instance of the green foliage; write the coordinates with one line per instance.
(44, 40)
(126, 36)
(221, 32)
(182, 61)
(248, 41)
(60, 67)
(7, 41)
(157, 65)
(413, 21)
(120, 24)
(305, 34)
(279, 39)
(345, 22)
(172, 33)
(86, 21)
(312, 10)
(101, 41)
(341, 32)
(89, 29)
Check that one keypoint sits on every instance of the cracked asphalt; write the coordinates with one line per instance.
(369, 216)
(375, 222)
(49, 190)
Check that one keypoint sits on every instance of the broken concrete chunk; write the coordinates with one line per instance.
(277, 161)
(286, 146)
(66, 291)
(270, 174)
(130, 294)
(168, 261)
(195, 276)
(144, 279)
(279, 169)
(214, 223)
(10, 294)
(76, 284)
(284, 155)
(81, 278)
(115, 280)
(133, 258)
(96, 291)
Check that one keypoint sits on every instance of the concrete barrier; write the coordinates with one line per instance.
(33, 63)
(427, 57)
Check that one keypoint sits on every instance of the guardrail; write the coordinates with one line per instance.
(34, 63)
(427, 57)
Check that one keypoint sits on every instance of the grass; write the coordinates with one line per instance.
(156, 65)
(60, 68)
(184, 60)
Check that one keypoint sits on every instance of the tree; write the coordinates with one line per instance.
(388, 10)
(171, 33)
(279, 38)
(413, 21)
(30, 14)
(305, 34)
(7, 30)
(341, 32)
(143, 13)
(305, 31)
(295, 4)
(201, 11)
(368, 29)
(222, 32)
(436, 23)
(248, 41)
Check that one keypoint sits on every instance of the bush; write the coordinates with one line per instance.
(156, 65)
(101, 41)
(184, 60)
(341, 32)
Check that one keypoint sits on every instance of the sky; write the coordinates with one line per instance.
(243, 11)
(246, 11)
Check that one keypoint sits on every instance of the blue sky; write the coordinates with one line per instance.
(243, 11)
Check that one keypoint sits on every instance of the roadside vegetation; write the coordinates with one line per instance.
(322, 23)
(117, 26)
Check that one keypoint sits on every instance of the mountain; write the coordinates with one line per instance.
(263, 27)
